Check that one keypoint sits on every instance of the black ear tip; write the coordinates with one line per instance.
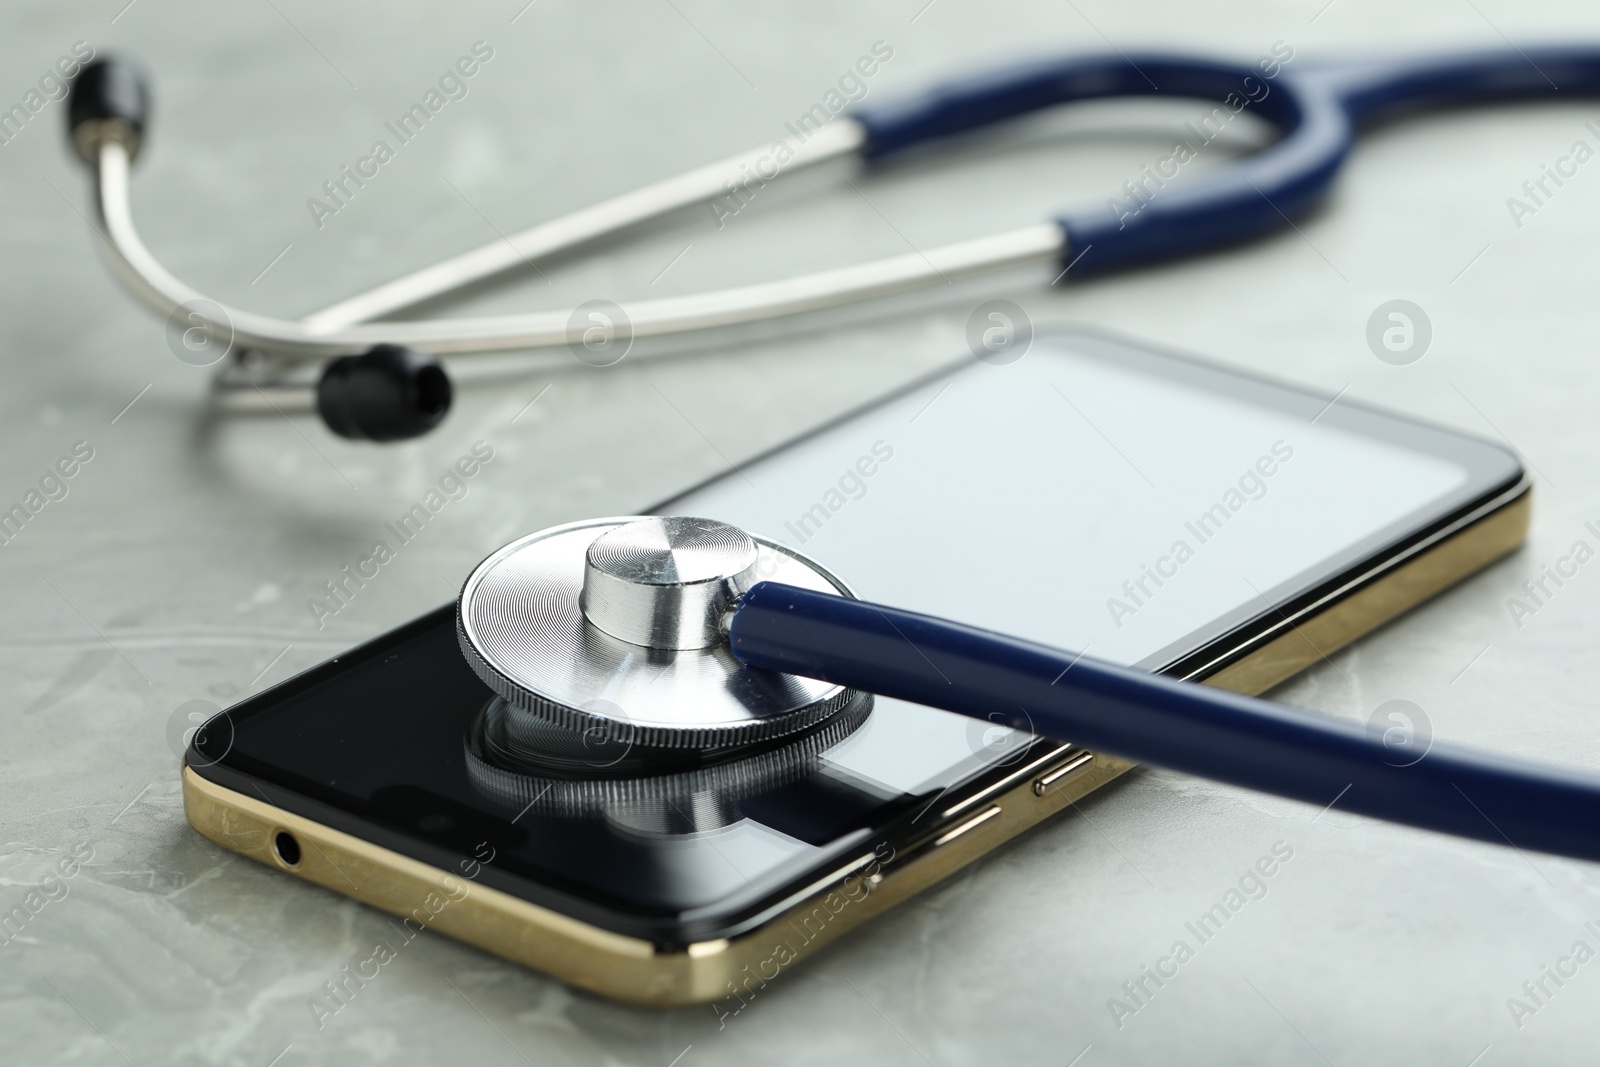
(387, 394)
(108, 99)
(433, 389)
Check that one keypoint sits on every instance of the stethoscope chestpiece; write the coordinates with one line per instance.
(615, 629)
(526, 765)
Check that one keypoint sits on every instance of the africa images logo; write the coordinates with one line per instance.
(1252, 485)
(453, 485)
(452, 85)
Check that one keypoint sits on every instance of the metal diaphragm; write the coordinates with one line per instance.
(526, 766)
(613, 628)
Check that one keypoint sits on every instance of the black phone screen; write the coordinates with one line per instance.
(1093, 495)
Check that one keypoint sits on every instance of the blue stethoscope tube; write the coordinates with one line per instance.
(1317, 109)
(1196, 729)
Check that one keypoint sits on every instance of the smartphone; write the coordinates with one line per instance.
(1094, 494)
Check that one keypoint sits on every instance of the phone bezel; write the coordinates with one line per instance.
(1198, 657)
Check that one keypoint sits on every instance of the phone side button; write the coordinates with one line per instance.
(1061, 774)
(956, 831)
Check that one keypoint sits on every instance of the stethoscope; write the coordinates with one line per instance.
(382, 380)
(649, 641)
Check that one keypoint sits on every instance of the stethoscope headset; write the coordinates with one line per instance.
(384, 381)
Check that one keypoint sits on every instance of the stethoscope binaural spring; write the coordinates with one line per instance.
(381, 380)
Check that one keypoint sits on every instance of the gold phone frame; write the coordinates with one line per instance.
(731, 970)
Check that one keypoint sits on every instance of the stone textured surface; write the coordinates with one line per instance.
(178, 566)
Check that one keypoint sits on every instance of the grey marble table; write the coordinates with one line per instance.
(178, 565)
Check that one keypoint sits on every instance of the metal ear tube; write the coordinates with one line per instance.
(386, 393)
(660, 613)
